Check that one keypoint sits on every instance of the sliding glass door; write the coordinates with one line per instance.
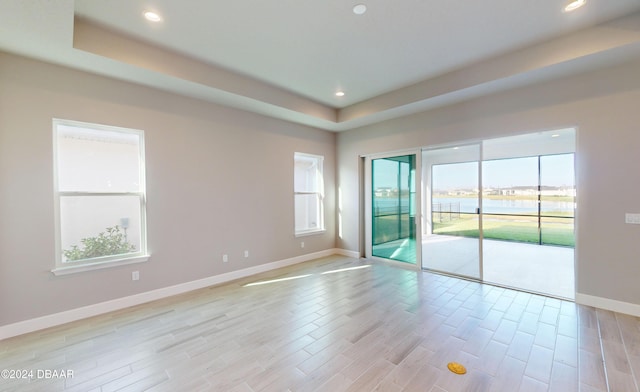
(557, 200)
(392, 208)
(528, 212)
(499, 211)
(451, 241)
(529, 199)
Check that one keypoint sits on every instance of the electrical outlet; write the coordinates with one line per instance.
(225, 258)
(246, 254)
(135, 275)
(302, 244)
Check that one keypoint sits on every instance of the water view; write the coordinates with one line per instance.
(506, 206)
(384, 206)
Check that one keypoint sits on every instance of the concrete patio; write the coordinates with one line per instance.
(537, 268)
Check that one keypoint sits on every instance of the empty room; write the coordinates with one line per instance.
(319, 196)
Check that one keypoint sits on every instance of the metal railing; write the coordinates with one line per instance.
(391, 221)
(445, 212)
(534, 227)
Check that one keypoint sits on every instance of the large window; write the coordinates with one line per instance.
(100, 195)
(308, 193)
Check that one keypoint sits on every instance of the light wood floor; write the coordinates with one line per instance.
(377, 328)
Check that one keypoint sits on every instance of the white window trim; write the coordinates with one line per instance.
(95, 265)
(320, 193)
(306, 233)
(62, 268)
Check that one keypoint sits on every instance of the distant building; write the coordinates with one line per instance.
(531, 191)
(385, 192)
(511, 191)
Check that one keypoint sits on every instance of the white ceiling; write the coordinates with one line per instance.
(287, 58)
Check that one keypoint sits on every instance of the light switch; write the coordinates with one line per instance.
(633, 219)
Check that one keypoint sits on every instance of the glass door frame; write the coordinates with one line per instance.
(368, 205)
(427, 207)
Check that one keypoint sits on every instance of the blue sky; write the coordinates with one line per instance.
(556, 170)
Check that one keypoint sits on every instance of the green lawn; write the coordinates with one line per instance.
(555, 231)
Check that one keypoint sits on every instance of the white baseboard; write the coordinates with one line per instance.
(52, 320)
(608, 304)
(348, 253)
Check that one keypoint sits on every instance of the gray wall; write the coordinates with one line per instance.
(603, 105)
(218, 181)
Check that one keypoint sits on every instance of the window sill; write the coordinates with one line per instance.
(74, 269)
(310, 232)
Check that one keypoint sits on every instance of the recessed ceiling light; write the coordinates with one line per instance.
(152, 16)
(555, 135)
(574, 5)
(340, 94)
(359, 9)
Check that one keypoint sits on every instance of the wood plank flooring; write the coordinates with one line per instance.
(337, 324)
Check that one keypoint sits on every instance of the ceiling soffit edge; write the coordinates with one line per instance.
(586, 45)
(98, 40)
(542, 61)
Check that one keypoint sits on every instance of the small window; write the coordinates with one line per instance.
(308, 194)
(100, 195)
